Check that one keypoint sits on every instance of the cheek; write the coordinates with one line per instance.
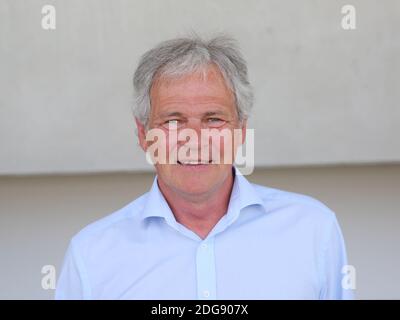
(162, 144)
(224, 146)
(171, 146)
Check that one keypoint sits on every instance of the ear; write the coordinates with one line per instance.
(141, 130)
(244, 127)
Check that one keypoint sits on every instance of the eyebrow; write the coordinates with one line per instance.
(171, 114)
(179, 114)
(214, 113)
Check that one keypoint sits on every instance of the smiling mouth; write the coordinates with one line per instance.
(194, 163)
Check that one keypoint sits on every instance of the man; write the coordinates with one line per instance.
(203, 231)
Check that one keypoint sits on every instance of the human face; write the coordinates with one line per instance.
(193, 102)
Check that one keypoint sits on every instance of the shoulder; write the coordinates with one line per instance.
(306, 216)
(114, 225)
(295, 204)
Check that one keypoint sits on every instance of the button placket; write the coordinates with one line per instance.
(206, 273)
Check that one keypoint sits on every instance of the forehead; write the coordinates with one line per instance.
(196, 92)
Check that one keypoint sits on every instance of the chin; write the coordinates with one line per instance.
(192, 180)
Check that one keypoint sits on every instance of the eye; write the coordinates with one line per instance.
(172, 121)
(171, 124)
(215, 122)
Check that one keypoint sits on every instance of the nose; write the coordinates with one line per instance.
(195, 124)
(193, 129)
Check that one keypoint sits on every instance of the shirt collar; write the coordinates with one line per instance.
(243, 195)
(155, 204)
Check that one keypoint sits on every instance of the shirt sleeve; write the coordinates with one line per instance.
(72, 283)
(335, 286)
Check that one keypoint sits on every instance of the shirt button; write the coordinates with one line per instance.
(206, 293)
(204, 245)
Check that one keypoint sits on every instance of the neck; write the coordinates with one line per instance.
(200, 212)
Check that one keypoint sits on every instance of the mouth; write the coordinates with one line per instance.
(194, 163)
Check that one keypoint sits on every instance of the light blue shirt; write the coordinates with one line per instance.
(270, 244)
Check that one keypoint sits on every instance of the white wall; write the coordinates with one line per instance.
(323, 94)
(38, 216)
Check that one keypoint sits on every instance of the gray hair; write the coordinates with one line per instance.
(182, 56)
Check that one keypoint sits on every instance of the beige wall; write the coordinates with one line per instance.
(39, 214)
